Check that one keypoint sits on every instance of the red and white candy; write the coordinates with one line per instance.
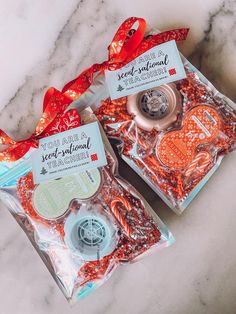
(117, 214)
(199, 163)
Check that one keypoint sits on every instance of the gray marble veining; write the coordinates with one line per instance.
(47, 44)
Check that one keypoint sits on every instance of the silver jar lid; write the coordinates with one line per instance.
(89, 233)
(155, 108)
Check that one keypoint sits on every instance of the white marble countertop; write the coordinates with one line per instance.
(46, 43)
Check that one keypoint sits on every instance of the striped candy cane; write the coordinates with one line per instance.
(117, 214)
(199, 163)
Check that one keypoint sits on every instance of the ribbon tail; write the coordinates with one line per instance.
(124, 44)
(15, 152)
(174, 34)
(5, 139)
(78, 86)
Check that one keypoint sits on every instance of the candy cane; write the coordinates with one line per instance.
(117, 214)
(199, 163)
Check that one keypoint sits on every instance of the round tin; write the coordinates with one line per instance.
(90, 234)
(155, 108)
(52, 199)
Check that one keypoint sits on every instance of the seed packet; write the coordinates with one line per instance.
(169, 122)
(83, 219)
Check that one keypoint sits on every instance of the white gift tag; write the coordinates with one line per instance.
(159, 65)
(68, 152)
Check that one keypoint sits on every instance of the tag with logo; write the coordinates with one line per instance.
(157, 66)
(68, 152)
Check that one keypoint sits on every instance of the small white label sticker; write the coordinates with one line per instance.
(68, 152)
(157, 66)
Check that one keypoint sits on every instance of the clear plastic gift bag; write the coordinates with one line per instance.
(85, 224)
(174, 135)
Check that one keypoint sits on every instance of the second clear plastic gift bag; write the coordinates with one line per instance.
(83, 225)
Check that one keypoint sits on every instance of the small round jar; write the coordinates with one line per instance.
(155, 108)
(90, 234)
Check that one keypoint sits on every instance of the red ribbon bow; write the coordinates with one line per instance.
(123, 48)
(53, 120)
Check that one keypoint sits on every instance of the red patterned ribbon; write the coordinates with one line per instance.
(53, 120)
(123, 48)
(123, 44)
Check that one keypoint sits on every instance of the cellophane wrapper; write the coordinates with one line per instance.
(177, 186)
(83, 247)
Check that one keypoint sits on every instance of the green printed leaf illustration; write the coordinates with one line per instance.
(120, 88)
(43, 171)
